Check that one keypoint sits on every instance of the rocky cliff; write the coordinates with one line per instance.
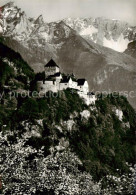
(131, 50)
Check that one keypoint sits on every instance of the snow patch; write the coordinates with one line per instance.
(89, 31)
(120, 45)
(130, 29)
(45, 36)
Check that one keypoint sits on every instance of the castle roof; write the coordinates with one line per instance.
(58, 74)
(65, 79)
(81, 82)
(51, 63)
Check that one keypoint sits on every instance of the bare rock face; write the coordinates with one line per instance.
(114, 34)
(39, 21)
(131, 50)
(38, 42)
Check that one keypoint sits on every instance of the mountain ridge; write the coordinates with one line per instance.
(111, 33)
(38, 43)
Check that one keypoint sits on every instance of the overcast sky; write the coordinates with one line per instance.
(52, 10)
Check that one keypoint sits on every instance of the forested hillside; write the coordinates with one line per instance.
(57, 144)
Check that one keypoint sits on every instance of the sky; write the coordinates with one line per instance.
(53, 10)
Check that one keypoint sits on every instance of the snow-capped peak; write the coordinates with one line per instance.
(14, 21)
(111, 33)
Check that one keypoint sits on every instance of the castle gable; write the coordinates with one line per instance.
(66, 79)
(51, 63)
(81, 82)
(51, 68)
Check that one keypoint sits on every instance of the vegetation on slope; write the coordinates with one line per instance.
(12, 65)
(102, 141)
(15, 74)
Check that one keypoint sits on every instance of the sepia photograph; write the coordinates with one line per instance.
(68, 97)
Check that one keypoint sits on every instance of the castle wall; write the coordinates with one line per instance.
(63, 86)
(70, 83)
(51, 71)
(52, 88)
(47, 86)
(74, 85)
(58, 79)
(55, 85)
(84, 88)
(66, 85)
(49, 82)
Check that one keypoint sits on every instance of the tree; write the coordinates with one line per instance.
(29, 110)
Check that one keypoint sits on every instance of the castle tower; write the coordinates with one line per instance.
(51, 68)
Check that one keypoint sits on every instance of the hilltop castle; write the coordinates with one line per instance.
(54, 81)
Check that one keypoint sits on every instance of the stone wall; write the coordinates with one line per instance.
(47, 86)
(63, 86)
(55, 86)
(51, 71)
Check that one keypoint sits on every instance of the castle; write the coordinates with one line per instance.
(54, 81)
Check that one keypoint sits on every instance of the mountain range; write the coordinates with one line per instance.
(77, 46)
(113, 33)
